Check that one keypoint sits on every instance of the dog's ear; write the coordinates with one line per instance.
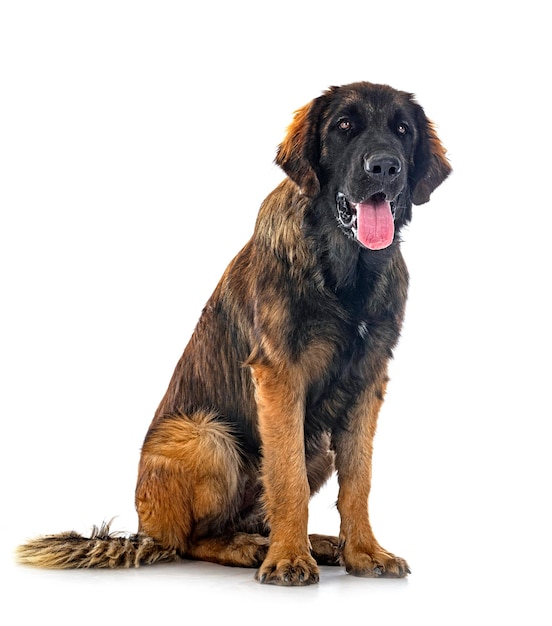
(431, 165)
(298, 155)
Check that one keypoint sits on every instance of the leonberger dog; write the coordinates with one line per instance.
(284, 375)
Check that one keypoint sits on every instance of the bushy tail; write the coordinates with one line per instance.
(103, 549)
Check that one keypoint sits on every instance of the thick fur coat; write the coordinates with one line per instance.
(283, 378)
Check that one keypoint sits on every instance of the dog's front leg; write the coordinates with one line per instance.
(360, 552)
(281, 406)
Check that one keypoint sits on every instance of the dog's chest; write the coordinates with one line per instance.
(361, 339)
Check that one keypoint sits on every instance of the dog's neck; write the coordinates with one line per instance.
(347, 266)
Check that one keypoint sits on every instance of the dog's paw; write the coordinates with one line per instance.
(378, 564)
(289, 572)
(325, 549)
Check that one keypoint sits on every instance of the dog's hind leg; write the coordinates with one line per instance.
(189, 479)
(249, 550)
(238, 549)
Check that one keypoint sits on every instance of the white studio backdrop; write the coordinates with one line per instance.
(136, 145)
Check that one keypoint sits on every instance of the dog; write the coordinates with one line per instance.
(284, 375)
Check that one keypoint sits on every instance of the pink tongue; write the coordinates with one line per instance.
(376, 228)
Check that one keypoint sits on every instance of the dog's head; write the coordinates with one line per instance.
(372, 150)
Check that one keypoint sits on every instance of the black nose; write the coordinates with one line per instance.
(382, 167)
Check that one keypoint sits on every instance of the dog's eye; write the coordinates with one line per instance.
(344, 124)
(402, 128)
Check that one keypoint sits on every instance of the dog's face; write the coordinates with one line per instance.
(372, 151)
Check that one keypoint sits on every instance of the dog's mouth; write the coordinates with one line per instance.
(371, 222)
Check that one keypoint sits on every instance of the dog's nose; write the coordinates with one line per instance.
(382, 167)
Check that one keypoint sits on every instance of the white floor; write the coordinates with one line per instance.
(205, 592)
(475, 571)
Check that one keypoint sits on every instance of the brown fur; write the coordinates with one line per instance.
(102, 549)
(286, 371)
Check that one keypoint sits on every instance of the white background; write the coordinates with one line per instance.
(136, 144)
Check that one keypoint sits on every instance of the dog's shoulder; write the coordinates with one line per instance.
(279, 227)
